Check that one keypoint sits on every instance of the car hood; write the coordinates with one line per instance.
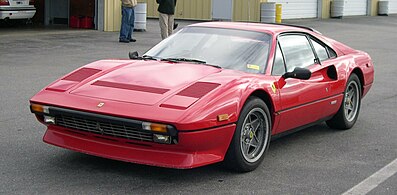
(188, 96)
(144, 82)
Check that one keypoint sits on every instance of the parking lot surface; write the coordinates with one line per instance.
(317, 160)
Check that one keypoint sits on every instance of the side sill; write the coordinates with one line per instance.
(294, 130)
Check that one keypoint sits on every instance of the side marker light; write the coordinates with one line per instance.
(223, 117)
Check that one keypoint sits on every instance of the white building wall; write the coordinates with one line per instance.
(294, 9)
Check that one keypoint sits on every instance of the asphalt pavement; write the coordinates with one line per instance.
(317, 160)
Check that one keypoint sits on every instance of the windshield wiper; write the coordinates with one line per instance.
(184, 60)
(176, 60)
(135, 56)
(146, 57)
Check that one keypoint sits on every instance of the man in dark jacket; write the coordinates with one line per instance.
(166, 16)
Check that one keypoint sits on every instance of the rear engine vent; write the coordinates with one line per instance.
(81, 74)
(198, 89)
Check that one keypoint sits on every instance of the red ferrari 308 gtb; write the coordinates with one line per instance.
(211, 92)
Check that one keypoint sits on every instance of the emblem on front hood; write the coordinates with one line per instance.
(100, 105)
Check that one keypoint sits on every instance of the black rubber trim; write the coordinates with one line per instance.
(56, 111)
(205, 129)
(301, 105)
(294, 130)
(294, 25)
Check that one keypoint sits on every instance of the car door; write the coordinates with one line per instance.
(329, 61)
(302, 101)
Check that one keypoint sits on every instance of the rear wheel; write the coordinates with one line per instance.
(251, 138)
(348, 112)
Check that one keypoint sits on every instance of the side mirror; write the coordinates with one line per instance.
(298, 73)
(133, 55)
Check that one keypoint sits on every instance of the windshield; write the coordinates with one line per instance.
(228, 48)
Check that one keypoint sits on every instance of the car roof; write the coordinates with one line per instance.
(259, 27)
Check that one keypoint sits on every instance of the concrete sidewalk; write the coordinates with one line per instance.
(83, 46)
(152, 30)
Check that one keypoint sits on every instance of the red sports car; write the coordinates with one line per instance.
(215, 91)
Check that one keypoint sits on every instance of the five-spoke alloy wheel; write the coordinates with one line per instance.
(252, 137)
(254, 134)
(347, 115)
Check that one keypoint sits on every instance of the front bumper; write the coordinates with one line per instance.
(195, 149)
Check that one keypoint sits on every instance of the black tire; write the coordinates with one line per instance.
(345, 119)
(253, 129)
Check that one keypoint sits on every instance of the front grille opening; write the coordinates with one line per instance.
(109, 128)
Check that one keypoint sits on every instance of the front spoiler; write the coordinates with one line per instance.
(194, 149)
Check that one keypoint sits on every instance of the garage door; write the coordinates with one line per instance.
(355, 8)
(392, 6)
(298, 8)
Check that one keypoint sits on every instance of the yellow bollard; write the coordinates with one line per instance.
(278, 13)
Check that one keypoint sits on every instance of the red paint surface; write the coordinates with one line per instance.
(193, 150)
(189, 107)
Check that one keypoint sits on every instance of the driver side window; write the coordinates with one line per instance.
(297, 51)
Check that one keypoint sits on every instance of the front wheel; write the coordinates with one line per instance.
(251, 138)
(348, 112)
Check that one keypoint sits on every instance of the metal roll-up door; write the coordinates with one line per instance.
(392, 6)
(355, 8)
(293, 9)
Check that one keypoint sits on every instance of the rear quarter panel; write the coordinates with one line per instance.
(357, 62)
(348, 61)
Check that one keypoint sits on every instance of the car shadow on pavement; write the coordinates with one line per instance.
(76, 161)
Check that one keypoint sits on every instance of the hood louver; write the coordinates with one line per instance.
(189, 96)
(131, 87)
(81, 74)
(198, 89)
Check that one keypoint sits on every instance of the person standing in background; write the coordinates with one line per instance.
(166, 16)
(127, 20)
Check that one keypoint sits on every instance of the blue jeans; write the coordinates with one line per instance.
(127, 23)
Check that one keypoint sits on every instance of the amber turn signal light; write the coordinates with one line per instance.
(39, 108)
(155, 127)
